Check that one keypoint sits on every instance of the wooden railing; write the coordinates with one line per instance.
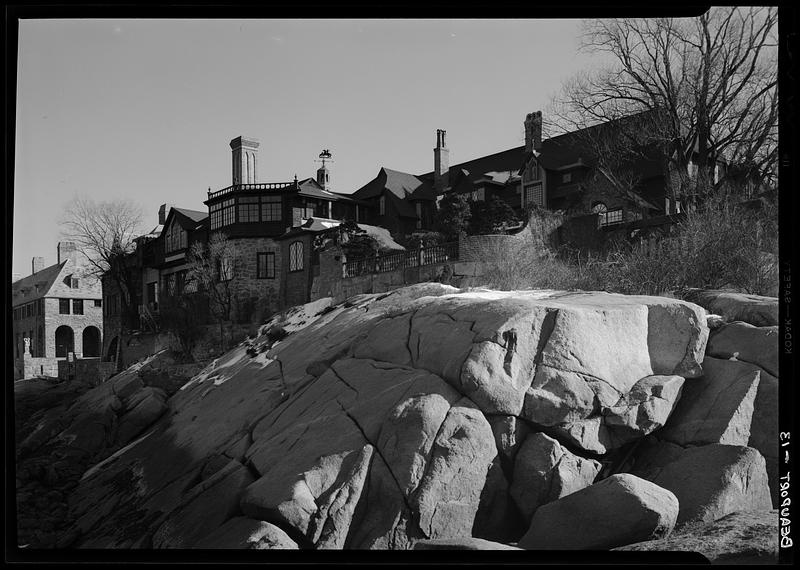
(401, 260)
(246, 187)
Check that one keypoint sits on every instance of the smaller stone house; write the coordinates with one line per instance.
(57, 310)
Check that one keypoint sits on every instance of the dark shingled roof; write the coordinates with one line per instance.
(400, 184)
(194, 215)
(311, 188)
(44, 278)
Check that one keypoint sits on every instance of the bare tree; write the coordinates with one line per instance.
(710, 84)
(105, 232)
(212, 270)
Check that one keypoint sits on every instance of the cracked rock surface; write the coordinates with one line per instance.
(424, 414)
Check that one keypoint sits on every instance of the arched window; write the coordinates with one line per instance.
(599, 208)
(296, 256)
(91, 341)
(65, 341)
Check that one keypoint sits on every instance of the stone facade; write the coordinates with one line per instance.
(256, 298)
(37, 303)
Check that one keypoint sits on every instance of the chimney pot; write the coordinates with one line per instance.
(163, 212)
(37, 264)
(67, 250)
(441, 163)
(533, 131)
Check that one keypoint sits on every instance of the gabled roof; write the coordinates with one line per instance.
(190, 220)
(506, 161)
(400, 184)
(316, 225)
(311, 188)
(44, 279)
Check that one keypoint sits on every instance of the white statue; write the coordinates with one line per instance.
(27, 342)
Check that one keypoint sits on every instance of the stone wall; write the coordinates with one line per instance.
(92, 371)
(31, 366)
(256, 299)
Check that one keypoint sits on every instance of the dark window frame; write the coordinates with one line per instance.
(77, 306)
(63, 303)
(265, 264)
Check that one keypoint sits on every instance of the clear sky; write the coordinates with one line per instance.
(145, 109)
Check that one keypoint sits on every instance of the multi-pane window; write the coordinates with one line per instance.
(610, 218)
(215, 213)
(265, 265)
(40, 342)
(74, 282)
(77, 306)
(534, 194)
(63, 306)
(419, 215)
(271, 208)
(566, 177)
(296, 256)
(228, 212)
(382, 206)
(175, 238)
(98, 303)
(248, 209)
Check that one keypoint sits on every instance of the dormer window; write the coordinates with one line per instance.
(533, 172)
(175, 238)
(70, 281)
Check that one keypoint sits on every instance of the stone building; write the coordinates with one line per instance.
(559, 173)
(57, 310)
(269, 268)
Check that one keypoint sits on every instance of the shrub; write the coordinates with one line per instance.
(721, 245)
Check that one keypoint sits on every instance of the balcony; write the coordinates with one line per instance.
(269, 186)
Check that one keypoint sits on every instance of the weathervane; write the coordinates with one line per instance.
(325, 155)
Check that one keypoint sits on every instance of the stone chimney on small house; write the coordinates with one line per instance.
(245, 153)
(441, 162)
(533, 132)
(163, 212)
(67, 250)
(37, 264)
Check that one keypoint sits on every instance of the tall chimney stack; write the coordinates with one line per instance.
(67, 250)
(163, 212)
(37, 264)
(245, 152)
(533, 132)
(441, 162)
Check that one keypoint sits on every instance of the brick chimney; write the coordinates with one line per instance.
(37, 264)
(245, 152)
(441, 162)
(67, 250)
(533, 132)
(163, 212)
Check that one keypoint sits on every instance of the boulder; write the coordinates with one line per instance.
(449, 493)
(643, 409)
(709, 481)
(463, 543)
(717, 408)
(245, 533)
(144, 408)
(738, 538)
(754, 309)
(748, 343)
(619, 510)
(545, 471)
(205, 508)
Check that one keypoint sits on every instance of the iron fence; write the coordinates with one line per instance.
(432, 255)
